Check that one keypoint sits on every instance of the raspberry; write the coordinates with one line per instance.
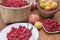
(51, 25)
(14, 3)
(20, 33)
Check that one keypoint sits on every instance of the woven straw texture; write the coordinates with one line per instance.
(15, 15)
(10, 15)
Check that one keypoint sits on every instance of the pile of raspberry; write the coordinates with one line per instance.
(51, 25)
(20, 33)
(14, 3)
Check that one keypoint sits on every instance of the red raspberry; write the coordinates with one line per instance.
(14, 3)
(20, 33)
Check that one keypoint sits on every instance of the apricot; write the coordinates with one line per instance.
(54, 5)
(42, 5)
(38, 25)
(47, 8)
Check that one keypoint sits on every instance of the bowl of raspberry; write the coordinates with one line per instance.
(19, 31)
(15, 4)
(51, 26)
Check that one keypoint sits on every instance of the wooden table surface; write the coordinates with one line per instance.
(42, 34)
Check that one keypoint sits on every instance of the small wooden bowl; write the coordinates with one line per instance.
(49, 13)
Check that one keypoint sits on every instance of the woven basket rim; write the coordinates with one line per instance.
(18, 7)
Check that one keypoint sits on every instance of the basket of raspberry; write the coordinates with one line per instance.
(15, 10)
(51, 26)
(48, 8)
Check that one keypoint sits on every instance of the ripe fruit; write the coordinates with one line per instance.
(42, 5)
(14, 3)
(47, 3)
(47, 8)
(33, 18)
(35, 4)
(38, 25)
(20, 33)
(42, 1)
(50, 1)
(51, 25)
(54, 5)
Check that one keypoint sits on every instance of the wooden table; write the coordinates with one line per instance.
(42, 34)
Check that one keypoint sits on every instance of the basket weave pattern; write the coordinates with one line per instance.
(14, 15)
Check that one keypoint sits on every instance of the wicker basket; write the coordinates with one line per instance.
(10, 15)
(47, 14)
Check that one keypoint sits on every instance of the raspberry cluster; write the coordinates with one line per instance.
(51, 25)
(20, 33)
(14, 3)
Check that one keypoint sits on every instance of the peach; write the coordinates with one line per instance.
(35, 4)
(33, 18)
